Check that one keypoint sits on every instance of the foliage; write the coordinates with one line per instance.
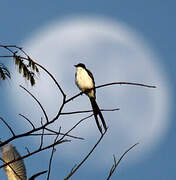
(4, 72)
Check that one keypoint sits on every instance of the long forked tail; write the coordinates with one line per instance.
(97, 112)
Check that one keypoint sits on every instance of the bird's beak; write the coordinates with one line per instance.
(75, 65)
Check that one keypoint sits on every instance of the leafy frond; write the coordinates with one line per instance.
(4, 72)
(28, 70)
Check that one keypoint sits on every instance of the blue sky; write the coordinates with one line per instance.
(154, 20)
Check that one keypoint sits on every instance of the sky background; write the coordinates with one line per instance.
(154, 20)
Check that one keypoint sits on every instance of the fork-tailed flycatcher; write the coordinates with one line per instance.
(85, 81)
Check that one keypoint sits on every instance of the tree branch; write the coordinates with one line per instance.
(86, 157)
(10, 129)
(87, 111)
(116, 163)
(38, 102)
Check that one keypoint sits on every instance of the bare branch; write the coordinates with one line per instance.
(70, 99)
(75, 126)
(116, 163)
(43, 131)
(52, 77)
(110, 84)
(38, 102)
(10, 129)
(37, 174)
(51, 158)
(87, 111)
(36, 151)
(56, 133)
(86, 157)
(125, 83)
(27, 150)
(27, 120)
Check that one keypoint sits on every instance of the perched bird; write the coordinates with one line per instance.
(85, 81)
(15, 170)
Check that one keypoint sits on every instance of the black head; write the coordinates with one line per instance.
(80, 65)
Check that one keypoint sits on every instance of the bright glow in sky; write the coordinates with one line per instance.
(113, 52)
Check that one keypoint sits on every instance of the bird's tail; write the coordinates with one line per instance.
(96, 111)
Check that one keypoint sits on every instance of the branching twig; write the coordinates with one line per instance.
(36, 151)
(86, 157)
(38, 102)
(75, 126)
(116, 163)
(51, 158)
(56, 133)
(7, 126)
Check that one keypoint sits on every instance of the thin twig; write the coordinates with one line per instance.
(27, 150)
(38, 102)
(70, 99)
(109, 84)
(8, 126)
(87, 111)
(43, 131)
(36, 151)
(37, 174)
(27, 120)
(52, 77)
(56, 133)
(86, 157)
(51, 157)
(116, 163)
(126, 83)
(75, 126)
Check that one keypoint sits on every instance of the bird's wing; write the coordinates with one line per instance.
(16, 169)
(91, 75)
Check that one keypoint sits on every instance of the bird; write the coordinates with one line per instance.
(15, 170)
(85, 81)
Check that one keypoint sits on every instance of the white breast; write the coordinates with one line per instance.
(83, 80)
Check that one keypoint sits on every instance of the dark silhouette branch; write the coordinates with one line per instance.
(57, 133)
(8, 126)
(38, 102)
(76, 167)
(116, 163)
(27, 120)
(87, 111)
(51, 158)
(125, 83)
(41, 137)
(76, 126)
(37, 174)
(110, 84)
(36, 151)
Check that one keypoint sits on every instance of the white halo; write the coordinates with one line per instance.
(113, 52)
